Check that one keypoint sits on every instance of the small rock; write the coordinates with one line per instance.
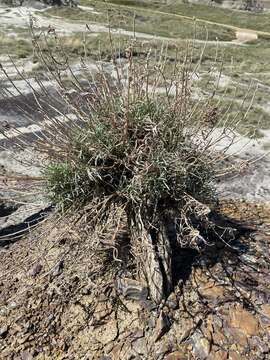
(244, 321)
(86, 290)
(102, 310)
(109, 333)
(25, 355)
(12, 305)
(35, 270)
(3, 331)
(218, 355)
(219, 336)
(3, 312)
(265, 322)
(137, 334)
(212, 293)
(176, 355)
(172, 302)
(183, 329)
(57, 270)
(248, 259)
(235, 356)
(201, 346)
(148, 305)
(140, 346)
(259, 344)
(163, 325)
(116, 350)
(151, 323)
(266, 310)
(50, 317)
(131, 289)
(237, 337)
(259, 237)
(162, 349)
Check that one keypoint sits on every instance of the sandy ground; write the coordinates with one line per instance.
(253, 183)
(243, 36)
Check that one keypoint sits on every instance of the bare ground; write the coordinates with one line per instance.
(54, 305)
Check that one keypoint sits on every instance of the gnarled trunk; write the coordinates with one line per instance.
(152, 251)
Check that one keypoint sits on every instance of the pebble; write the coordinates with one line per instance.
(57, 270)
(35, 270)
(201, 346)
(176, 355)
(3, 331)
(12, 305)
(172, 302)
(132, 289)
(25, 355)
(163, 325)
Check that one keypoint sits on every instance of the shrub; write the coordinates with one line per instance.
(140, 142)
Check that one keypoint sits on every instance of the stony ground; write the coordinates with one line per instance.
(53, 305)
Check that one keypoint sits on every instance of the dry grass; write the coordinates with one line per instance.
(15, 46)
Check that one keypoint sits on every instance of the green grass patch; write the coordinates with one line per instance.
(145, 22)
(12, 45)
(242, 19)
